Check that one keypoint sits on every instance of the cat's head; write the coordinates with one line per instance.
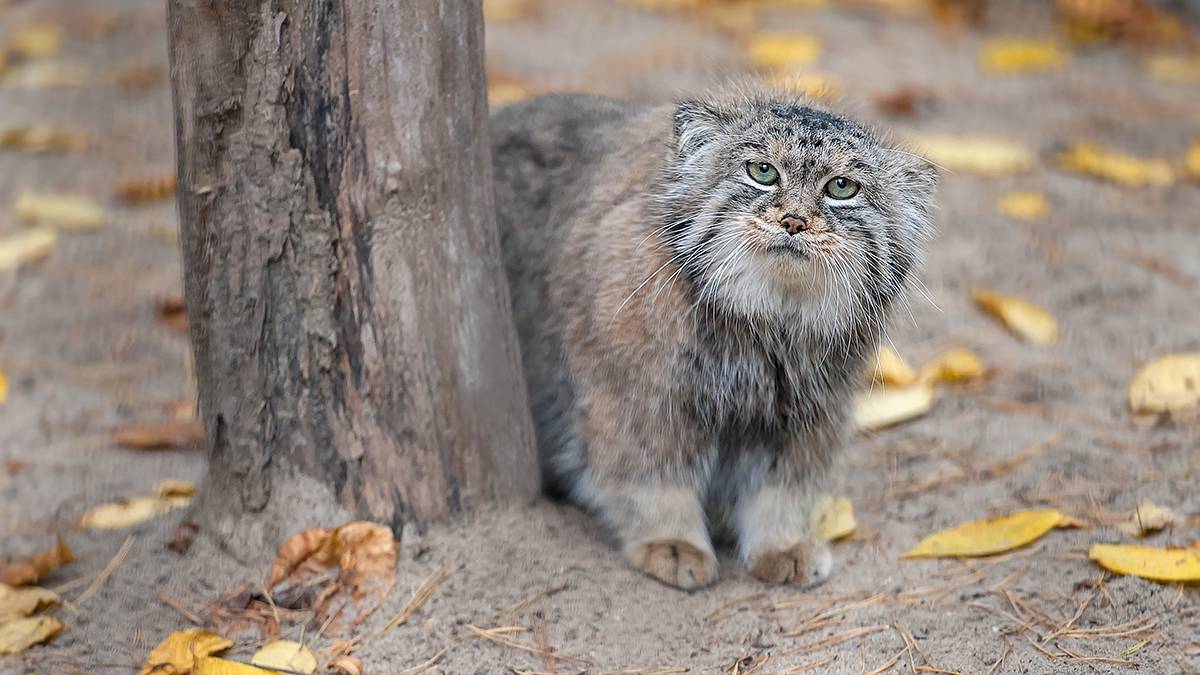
(775, 207)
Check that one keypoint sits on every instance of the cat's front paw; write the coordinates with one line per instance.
(804, 564)
(675, 562)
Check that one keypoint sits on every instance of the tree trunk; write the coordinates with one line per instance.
(349, 315)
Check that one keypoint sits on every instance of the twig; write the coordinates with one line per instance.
(528, 602)
(811, 665)
(422, 667)
(887, 665)
(105, 573)
(499, 639)
(178, 607)
(1000, 659)
(419, 597)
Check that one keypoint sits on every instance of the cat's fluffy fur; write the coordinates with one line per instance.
(690, 362)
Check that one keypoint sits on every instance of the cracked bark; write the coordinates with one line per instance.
(349, 315)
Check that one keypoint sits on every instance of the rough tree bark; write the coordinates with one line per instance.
(349, 315)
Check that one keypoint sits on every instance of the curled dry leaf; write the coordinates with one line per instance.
(173, 312)
(185, 534)
(63, 211)
(169, 435)
(286, 655)
(1169, 383)
(169, 487)
(984, 155)
(1159, 564)
(25, 247)
(128, 513)
(20, 602)
(986, 537)
(891, 368)
(347, 665)
(906, 101)
(953, 365)
(29, 569)
(1022, 318)
(42, 139)
(146, 190)
(1115, 167)
(886, 406)
(1021, 56)
(832, 518)
(1026, 205)
(212, 665)
(20, 634)
(1146, 519)
(179, 652)
(782, 50)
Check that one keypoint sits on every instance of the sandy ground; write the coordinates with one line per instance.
(84, 352)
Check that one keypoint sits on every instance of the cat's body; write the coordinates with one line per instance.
(674, 381)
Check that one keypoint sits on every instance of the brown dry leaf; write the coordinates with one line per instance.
(1022, 318)
(1096, 21)
(886, 406)
(952, 365)
(21, 602)
(26, 247)
(185, 534)
(1021, 56)
(62, 211)
(285, 655)
(211, 665)
(42, 139)
(179, 652)
(986, 537)
(347, 665)
(1026, 205)
(984, 155)
(1147, 518)
(1115, 167)
(30, 569)
(173, 312)
(1169, 383)
(36, 41)
(127, 513)
(21, 634)
(146, 190)
(782, 50)
(1171, 564)
(905, 101)
(169, 435)
(891, 368)
(140, 75)
(832, 518)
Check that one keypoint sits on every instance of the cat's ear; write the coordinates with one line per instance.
(696, 124)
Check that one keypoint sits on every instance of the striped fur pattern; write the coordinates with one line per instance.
(690, 358)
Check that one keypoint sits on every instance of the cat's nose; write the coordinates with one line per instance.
(793, 223)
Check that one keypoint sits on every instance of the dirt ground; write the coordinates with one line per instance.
(84, 351)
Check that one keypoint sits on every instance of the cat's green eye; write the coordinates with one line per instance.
(841, 188)
(762, 173)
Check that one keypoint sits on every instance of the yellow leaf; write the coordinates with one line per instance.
(1024, 319)
(21, 634)
(1147, 518)
(953, 365)
(19, 602)
(777, 50)
(36, 41)
(130, 512)
(832, 518)
(1021, 56)
(813, 85)
(26, 247)
(1148, 562)
(1125, 170)
(1191, 163)
(42, 139)
(286, 655)
(891, 368)
(178, 653)
(1166, 384)
(68, 212)
(213, 666)
(1174, 68)
(506, 10)
(1027, 205)
(984, 155)
(169, 487)
(886, 406)
(985, 537)
(3, 388)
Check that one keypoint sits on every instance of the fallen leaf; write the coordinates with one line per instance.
(3, 388)
(891, 368)
(1023, 319)
(179, 652)
(173, 312)
(1146, 519)
(139, 75)
(952, 365)
(887, 406)
(1167, 384)
(130, 512)
(505, 90)
(63, 211)
(211, 665)
(36, 41)
(347, 665)
(904, 101)
(780, 50)
(985, 537)
(507, 10)
(1027, 205)
(168, 435)
(46, 75)
(1021, 56)
(146, 190)
(25, 247)
(813, 85)
(30, 569)
(169, 487)
(832, 518)
(20, 602)
(1174, 564)
(285, 655)
(984, 155)
(1122, 169)
(185, 534)
(1174, 68)
(1091, 22)
(41, 139)
(1191, 163)
(21, 634)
